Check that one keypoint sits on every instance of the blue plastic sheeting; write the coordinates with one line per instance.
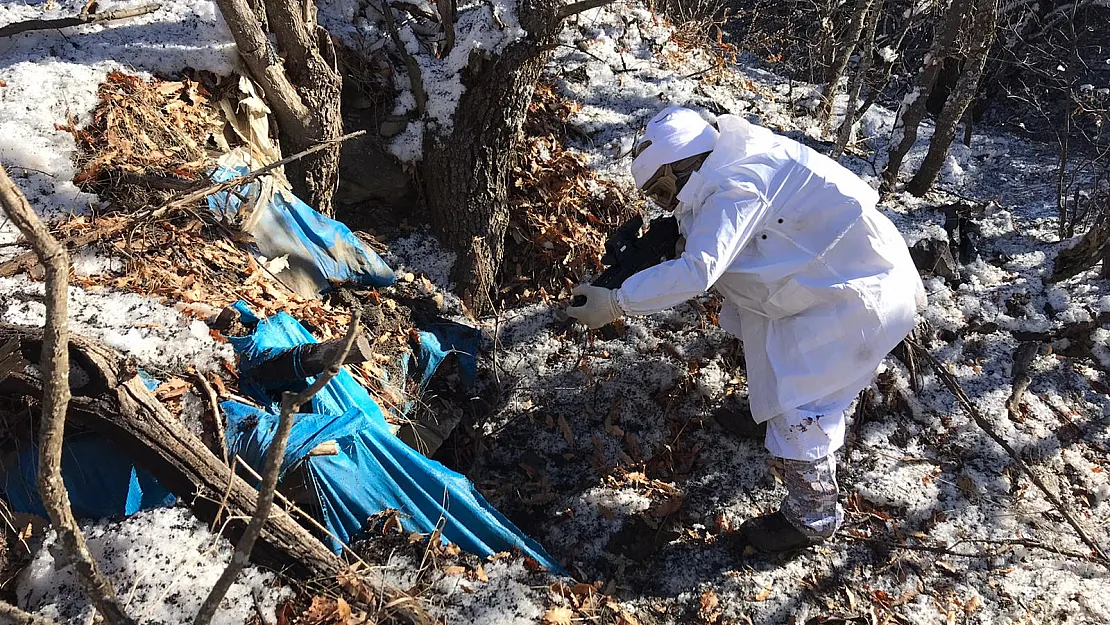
(319, 250)
(102, 481)
(374, 470)
(437, 341)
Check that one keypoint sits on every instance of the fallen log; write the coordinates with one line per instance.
(113, 401)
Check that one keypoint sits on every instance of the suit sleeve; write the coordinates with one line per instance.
(723, 226)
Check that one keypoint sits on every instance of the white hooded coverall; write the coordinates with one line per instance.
(817, 283)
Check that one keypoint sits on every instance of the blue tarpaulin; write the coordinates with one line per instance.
(320, 251)
(101, 480)
(374, 470)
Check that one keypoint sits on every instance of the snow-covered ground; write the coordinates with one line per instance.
(603, 450)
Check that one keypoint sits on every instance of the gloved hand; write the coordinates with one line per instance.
(600, 308)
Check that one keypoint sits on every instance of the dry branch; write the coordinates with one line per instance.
(290, 404)
(178, 202)
(416, 80)
(54, 365)
(447, 9)
(76, 20)
(954, 386)
(19, 617)
(214, 407)
(579, 7)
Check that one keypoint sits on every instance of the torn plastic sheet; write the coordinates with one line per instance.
(373, 470)
(307, 251)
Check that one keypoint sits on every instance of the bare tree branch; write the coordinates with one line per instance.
(76, 20)
(416, 79)
(579, 7)
(447, 10)
(954, 386)
(576, 8)
(290, 404)
(55, 400)
(19, 617)
(213, 405)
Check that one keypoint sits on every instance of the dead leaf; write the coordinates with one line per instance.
(565, 429)
(480, 572)
(454, 570)
(710, 605)
(558, 615)
(763, 594)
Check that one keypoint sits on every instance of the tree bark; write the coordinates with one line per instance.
(303, 88)
(1093, 247)
(915, 110)
(982, 35)
(466, 175)
(840, 63)
(867, 49)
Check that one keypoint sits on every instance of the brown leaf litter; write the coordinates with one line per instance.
(560, 212)
(159, 130)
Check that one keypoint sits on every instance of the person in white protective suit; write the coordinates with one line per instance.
(817, 284)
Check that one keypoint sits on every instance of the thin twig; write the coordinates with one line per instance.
(290, 404)
(950, 550)
(416, 79)
(579, 7)
(954, 386)
(55, 401)
(76, 20)
(178, 202)
(214, 406)
(20, 617)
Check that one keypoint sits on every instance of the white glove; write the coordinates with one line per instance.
(600, 308)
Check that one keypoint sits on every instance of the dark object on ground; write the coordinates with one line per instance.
(627, 253)
(935, 256)
(735, 415)
(308, 361)
(772, 533)
(963, 233)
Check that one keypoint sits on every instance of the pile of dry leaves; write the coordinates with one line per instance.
(560, 212)
(144, 134)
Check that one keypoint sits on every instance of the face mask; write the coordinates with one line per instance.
(663, 188)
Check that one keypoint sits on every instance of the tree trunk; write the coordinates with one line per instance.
(915, 109)
(840, 63)
(466, 176)
(982, 35)
(867, 49)
(302, 88)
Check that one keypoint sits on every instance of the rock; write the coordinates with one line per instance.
(935, 256)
